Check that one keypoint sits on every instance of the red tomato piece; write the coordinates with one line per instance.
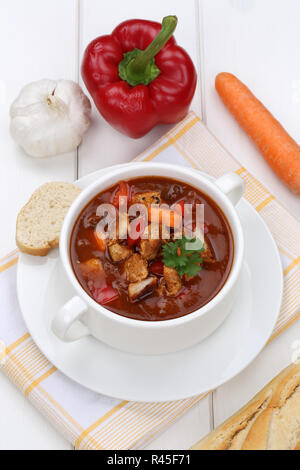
(179, 207)
(122, 191)
(104, 295)
(137, 228)
(157, 267)
(131, 242)
(101, 241)
(182, 295)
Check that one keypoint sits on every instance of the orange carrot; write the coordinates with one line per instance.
(101, 242)
(170, 218)
(277, 147)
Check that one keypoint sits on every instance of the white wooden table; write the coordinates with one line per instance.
(256, 40)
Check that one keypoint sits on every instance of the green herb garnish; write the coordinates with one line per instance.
(184, 255)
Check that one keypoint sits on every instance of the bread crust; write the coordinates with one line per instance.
(43, 248)
(39, 251)
(271, 420)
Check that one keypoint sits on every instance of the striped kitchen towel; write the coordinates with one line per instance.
(92, 421)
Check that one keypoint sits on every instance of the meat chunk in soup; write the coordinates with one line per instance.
(136, 268)
(173, 281)
(149, 249)
(207, 255)
(138, 290)
(118, 231)
(161, 288)
(147, 198)
(123, 265)
(119, 252)
(92, 268)
(92, 264)
(151, 242)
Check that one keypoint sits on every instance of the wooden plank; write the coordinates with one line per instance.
(23, 427)
(38, 41)
(104, 146)
(232, 396)
(257, 41)
(190, 427)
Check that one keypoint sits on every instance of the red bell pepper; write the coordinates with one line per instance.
(137, 228)
(138, 76)
(179, 207)
(157, 267)
(105, 295)
(122, 191)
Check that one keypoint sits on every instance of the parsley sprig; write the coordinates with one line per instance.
(184, 255)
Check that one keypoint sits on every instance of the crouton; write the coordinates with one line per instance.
(173, 281)
(136, 268)
(149, 249)
(147, 198)
(207, 255)
(137, 290)
(119, 252)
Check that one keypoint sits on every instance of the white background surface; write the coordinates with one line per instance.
(258, 40)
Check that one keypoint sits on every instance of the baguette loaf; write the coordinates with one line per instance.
(39, 221)
(270, 421)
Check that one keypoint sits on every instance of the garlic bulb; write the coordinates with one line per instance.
(50, 117)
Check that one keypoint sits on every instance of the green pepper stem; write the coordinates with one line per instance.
(138, 65)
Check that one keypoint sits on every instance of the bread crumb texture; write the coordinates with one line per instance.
(39, 222)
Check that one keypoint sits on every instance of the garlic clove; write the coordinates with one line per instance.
(50, 117)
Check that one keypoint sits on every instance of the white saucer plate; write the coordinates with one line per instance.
(42, 288)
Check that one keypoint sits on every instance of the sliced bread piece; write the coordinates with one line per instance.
(39, 221)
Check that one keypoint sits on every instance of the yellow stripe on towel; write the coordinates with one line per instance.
(8, 264)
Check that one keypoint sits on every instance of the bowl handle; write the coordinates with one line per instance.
(66, 325)
(232, 185)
